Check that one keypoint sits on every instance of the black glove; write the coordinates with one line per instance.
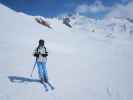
(45, 55)
(36, 55)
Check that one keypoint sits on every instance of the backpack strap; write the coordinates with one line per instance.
(45, 49)
(37, 49)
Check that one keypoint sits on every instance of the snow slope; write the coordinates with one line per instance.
(81, 64)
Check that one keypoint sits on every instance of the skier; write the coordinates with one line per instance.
(41, 57)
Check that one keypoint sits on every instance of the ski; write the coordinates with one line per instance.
(50, 85)
(46, 84)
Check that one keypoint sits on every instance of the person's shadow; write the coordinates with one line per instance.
(19, 79)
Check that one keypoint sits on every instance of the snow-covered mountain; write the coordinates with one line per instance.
(83, 62)
(107, 27)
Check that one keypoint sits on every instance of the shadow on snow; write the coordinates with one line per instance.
(19, 79)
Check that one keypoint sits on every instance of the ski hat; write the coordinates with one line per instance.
(41, 42)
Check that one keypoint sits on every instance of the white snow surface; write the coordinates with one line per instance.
(82, 64)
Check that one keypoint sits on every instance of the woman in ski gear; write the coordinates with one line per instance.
(41, 58)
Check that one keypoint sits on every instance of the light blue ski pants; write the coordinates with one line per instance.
(42, 71)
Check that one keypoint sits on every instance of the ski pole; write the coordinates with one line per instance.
(33, 67)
